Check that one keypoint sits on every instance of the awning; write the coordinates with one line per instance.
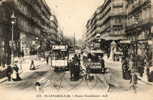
(108, 37)
(125, 41)
(96, 51)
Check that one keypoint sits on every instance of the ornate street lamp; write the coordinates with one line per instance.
(37, 40)
(13, 21)
(99, 39)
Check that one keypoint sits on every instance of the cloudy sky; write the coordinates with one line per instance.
(72, 15)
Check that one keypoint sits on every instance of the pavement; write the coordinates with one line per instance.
(24, 65)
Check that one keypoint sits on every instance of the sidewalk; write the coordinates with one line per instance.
(24, 65)
(116, 70)
(117, 75)
(25, 62)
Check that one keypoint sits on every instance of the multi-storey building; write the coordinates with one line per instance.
(139, 23)
(108, 21)
(33, 20)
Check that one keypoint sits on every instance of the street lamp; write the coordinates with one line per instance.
(13, 21)
(37, 45)
(37, 38)
(98, 40)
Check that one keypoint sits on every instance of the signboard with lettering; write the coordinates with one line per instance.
(59, 47)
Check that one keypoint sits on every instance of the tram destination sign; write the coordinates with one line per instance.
(59, 47)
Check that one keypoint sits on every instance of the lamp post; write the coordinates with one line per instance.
(37, 39)
(74, 42)
(13, 21)
(98, 40)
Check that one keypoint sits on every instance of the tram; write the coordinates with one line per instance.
(59, 58)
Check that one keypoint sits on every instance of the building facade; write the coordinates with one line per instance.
(34, 24)
(109, 20)
(140, 25)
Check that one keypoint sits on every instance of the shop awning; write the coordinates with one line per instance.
(96, 51)
(108, 37)
(125, 41)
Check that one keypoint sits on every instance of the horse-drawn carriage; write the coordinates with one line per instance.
(95, 63)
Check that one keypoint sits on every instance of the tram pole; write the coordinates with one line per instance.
(74, 41)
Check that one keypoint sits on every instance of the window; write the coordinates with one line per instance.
(118, 5)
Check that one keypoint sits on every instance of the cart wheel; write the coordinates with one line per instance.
(91, 81)
(82, 73)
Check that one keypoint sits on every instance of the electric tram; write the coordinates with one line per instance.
(59, 57)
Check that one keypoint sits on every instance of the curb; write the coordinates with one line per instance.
(3, 80)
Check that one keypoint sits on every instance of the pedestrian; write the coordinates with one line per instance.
(76, 62)
(140, 65)
(38, 86)
(134, 80)
(148, 61)
(148, 73)
(131, 62)
(16, 69)
(47, 59)
(102, 63)
(125, 69)
(9, 72)
(71, 68)
(32, 65)
(108, 81)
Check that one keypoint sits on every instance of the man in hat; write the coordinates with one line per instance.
(32, 65)
(16, 69)
(71, 68)
(76, 62)
(9, 72)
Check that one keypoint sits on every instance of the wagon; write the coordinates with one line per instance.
(94, 64)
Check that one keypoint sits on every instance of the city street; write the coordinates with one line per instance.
(76, 49)
(53, 82)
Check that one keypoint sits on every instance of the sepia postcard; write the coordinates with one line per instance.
(76, 50)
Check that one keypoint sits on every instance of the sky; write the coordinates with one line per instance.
(72, 15)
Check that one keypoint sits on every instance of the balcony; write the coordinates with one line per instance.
(118, 22)
(33, 4)
(118, 12)
(118, 33)
(102, 14)
(136, 5)
(22, 9)
(101, 21)
(29, 13)
(102, 28)
(44, 8)
(140, 23)
(91, 35)
(112, 36)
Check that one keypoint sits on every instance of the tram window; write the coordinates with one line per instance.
(59, 55)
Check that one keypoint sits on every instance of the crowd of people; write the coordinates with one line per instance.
(134, 66)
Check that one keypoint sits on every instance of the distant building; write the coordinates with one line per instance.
(33, 20)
